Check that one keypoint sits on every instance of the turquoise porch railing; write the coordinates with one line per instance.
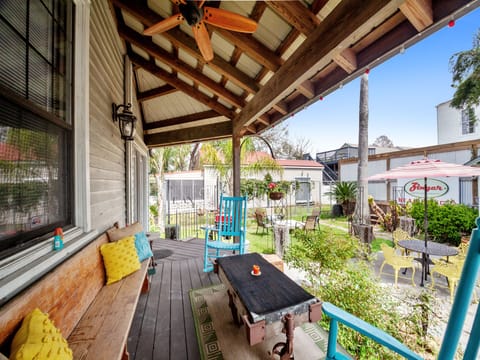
(465, 290)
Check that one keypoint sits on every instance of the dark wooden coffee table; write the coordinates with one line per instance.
(267, 304)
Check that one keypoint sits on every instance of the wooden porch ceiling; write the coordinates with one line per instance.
(301, 51)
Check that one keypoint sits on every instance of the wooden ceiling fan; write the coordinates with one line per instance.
(196, 16)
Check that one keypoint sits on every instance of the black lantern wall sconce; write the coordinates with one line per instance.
(126, 120)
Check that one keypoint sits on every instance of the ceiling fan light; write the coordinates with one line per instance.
(191, 12)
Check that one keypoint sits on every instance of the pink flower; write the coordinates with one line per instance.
(272, 186)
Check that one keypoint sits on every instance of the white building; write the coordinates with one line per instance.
(455, 125)
(199, 188)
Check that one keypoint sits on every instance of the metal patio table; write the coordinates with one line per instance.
(431, 248)
(268, 304)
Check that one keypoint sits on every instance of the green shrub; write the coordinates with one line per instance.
(446, 223)
(327, 247)
(335, 275)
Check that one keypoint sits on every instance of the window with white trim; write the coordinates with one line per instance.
(36, 132)
(468, 122)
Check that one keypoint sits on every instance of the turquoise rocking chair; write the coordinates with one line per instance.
(228, 234)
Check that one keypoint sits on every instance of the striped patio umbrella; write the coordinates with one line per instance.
(427, 168)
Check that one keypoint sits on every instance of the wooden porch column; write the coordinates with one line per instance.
(236, 164)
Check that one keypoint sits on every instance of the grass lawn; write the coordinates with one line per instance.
(263, 241)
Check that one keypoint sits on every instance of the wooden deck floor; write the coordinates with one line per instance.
(163, 326)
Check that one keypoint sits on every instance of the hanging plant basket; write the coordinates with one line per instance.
(275, 195)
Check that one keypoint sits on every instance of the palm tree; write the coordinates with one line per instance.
(219, 155)
(345, 193)
(362, 213)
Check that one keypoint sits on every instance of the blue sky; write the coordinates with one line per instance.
(403, 94)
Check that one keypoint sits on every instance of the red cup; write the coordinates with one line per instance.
(256, 270)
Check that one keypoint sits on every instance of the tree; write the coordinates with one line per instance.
(219, 154)
(283, 145)
(362, 213)
(383, 141)
(345, 193)
(157, 166)
(465, 68)
(177, 158)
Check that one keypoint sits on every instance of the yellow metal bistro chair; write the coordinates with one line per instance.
(397, 262)
(400, 234)
(452, 272)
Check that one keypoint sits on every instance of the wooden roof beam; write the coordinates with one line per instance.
(350, 18)
(215, 131)
(264, 119)
(180, 85)
(179, 39)
(157, 52)
(318, 5)
(153, 93)
(281, 107)
(296, 14)
(347, 60)
(253, 48)
(418, 12)
(181, 120)
(307, 89)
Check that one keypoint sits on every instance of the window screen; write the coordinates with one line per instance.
(35, 126)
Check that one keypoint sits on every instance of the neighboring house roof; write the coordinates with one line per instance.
(381, 150)
(12, 153)
(300, 163)
(184, 175)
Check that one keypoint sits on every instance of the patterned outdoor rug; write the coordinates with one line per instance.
(220, 338)
(161, 254)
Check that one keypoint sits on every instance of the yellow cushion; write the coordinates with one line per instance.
(39, 339)
(120, 259)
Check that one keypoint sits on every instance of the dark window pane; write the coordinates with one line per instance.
(40, 81)
(40, 31)
(33, 176)
(14, 13)
(12, 60)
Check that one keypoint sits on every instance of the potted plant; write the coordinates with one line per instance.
(274, 192)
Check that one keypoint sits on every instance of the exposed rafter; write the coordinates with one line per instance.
(157, 52)
(347, 60)
(187, 43)
(153, 93)
(202, 133)
(180, 85)
(296, 14)
(330, 42)
(317, 51)
(418, 12)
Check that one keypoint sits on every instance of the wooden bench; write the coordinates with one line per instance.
(94, 318)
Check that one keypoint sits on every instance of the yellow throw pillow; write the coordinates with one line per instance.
(120, 259)
(38, 338)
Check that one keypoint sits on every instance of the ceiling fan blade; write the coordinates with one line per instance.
(203, 40)
(164, 25)
(228, 20)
